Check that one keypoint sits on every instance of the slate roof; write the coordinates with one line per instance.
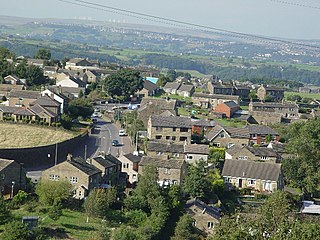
(172, 85)
(261, 129)
(170, 121)
(6, 109)
(150, 86)
(257, 151)
(204, 123)
(24, 94)
(185, 88)
(37, 109)
(238, 132)
(215, 96)
(231, 104)
(211, 210)
(133, 158)
(164, 147)
(107, 161)
(46, 101)
(9, 87)
(5, 163)
(251, 169)
(197, 149)
(24, 112)
(277, 146)
(160, 163)
(274, 105)
(83, 166)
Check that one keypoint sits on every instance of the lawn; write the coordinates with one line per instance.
(303, 95)
(71, 225)
(25, 135)
(230, 122)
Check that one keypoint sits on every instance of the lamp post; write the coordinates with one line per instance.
(12, 188)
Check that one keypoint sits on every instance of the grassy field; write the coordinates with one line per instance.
(303, 95)
(23, 135)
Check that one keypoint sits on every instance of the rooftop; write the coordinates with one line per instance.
(24, 94)
(160, 163)
(196, 149)
(204, 208)
(165, 147)
(261, 129)
(83, 166)
(170, 121)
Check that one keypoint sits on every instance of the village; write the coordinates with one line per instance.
(219, 144)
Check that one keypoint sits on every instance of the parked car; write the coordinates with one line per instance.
(122, 133)
(115, 143)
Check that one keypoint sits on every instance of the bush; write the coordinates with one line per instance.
(55, 212)
(20, 198)
(15, 230)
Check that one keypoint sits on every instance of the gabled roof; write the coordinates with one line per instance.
(204, 123)
(256, 151)
(150, 86)
(24, 94)
(37, 109)
(46, 101)
(261, 129)
(277, 146)
(231, 104)
(238, 132)
(83, 166)
(274, 105)
(160, 163)
(24, 112)
(204, 208)
(12, 76)
(161, 103)
(107, 161)
(185, 88)
(251, 169)
(6, 109)
(133, 158)
(196, 149)
(170, 121)
(5, 163)
(165, 147)
(9, 87)
(172, 85)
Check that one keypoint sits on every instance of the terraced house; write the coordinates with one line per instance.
(173, 128)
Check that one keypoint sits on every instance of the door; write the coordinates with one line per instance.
(240, 183)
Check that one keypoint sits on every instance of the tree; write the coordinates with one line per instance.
(15, 230)
(22, 69)
(124, 233)
(80, 107)
(81, 94)
(184, 229)
(43, 53)
(20, 198)
(172, 75)
(216, 181)
(99, 201)
(35, 76)
(268, 138)
(66, 121)
(4, 211)
(124, 83)
(196, 183)
(55, 212)
(163, 80)
(53, 192)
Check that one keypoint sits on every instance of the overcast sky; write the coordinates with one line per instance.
(263, 17)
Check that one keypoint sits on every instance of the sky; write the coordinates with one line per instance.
(261, 17)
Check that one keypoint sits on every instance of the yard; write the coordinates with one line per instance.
(303, 95)
(24, 135)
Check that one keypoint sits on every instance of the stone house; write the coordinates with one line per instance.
(90, 77)
(174, 128)
(60, 98)
(14, 80)
(5, 89)
(155, 106)
(202, 126)
(275, 93)
(130, 166)
(227, 108)
(196, 152)
(205, 217)
(12, 177)
(35, 62)
(149, 89)
(210, 101)
(185, 90)
(50, 71)
(259, 133)
(22, 98)
(82, 175)
(71, 82)
(48, 103)
(78, 63)
(260, 176)
(171, 87)
(220, 87)
(109, 166)
(270, 113)
(252, 154)
(170, 171)
(165, 149)
(227, 137)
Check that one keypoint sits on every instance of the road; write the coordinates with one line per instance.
(100, 140)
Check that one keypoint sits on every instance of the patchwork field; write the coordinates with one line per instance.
(23, 135)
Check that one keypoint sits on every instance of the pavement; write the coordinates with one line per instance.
(99, 140)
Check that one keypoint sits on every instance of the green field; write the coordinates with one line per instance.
(24, 135)
(303, 95)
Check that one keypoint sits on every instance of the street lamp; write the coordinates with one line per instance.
(12, 187)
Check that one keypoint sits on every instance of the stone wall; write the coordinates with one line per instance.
(44, 156)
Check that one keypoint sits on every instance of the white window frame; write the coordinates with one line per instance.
(74, 179)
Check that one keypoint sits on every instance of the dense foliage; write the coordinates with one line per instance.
(80, 107)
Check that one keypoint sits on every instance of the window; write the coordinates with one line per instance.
(227, 180)
(242, 157)
(222, 135)
(176, 155)
(182, 139)
(3, 176)
(183, 129)
(216, 144)
(174, 129)
(173, 138)
(230, 145)
(159, 129)
(167, 137)
(159, 153)
(134, 176)
(252, 182)
(210, 225)
(124, 165)
(189, 157)
(264, 158)
(167, 171)
(54, 177)
(73, 179)
(158, 137)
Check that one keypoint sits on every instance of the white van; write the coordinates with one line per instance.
(122, 132)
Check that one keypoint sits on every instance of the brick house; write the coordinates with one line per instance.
(174, 128)
(260, 176)
(12, 177)
(205, 217)
(82, 175)
(170, 171)
(227, 137)
(258, 134)
(270, 113)
(252, 154)
(227, 108)
(130, 166)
